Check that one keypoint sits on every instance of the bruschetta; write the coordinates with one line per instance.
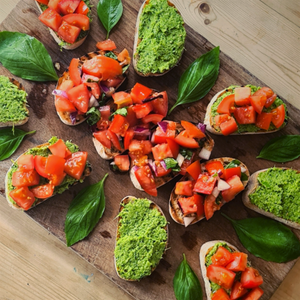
(206, 188)
(245, 110)
(142, 238)
(159, 38)
(13, 109)
(67, 20)
(227, 273)
(44, 171)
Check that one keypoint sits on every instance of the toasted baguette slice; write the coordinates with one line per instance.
(174, 207)
(153, 206)
(137, 40)
(19, 122)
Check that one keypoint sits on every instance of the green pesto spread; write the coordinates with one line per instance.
(161, 37)
(278, 192)
(12, 100)
(142, 239)
(246, 127)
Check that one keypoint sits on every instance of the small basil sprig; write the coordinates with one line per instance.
(121, 111)
(198, 78)
(109, 13)
(10, 140)
(26, 57)
(172, 163)
(267, 239)
(281, 149)
(186, 284)
(84, 212)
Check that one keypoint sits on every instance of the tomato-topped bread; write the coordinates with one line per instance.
(206, 188)
(67, 20)
(44, 171)
(245, 110)
(227, 273)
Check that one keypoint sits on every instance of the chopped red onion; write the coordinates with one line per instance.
(180, 159)
(204, 153)
(220, 173)
(202, 127)
(215, 192)
(141, 131)
(152, 166)
(188, 220)
(104, 108)
(163, 126)
(93, 102)
(73, 116)
(104, 88)
(134, 168)
(223, 185)
(163, 164)
(60, 93)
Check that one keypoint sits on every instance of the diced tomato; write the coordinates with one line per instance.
(122, 162)
(190, 205)
(229, 126)
(245, 115)
(23, 197)
(107, 45)
(54, 165)
(251, 278)
(236, 186)
(105, 112)
(101, 136)
(74, 71)
(184, 188)
(51, 18)
(161, 151)
(228, 173)
(89, 78)
(220, 294)
(28, 178)
(239, 262)
(59, 149)
(210, 206)
(45, 2)
(160, 170)
(102, 66)
(79, 96)
(78, 20)
(183, 140)
(131, 117)
(68, 6)
(214, 167)
(142, 110)
(124, 56)
(263, 120)
(194, 169)
(143, 147)
(205, 184)
(242, 95)
(145, 178)
(270, 100)
(192, 130)
(62, 104)
(278, 115)
(119, 125)
(226, 105)
(82, 8)
(56, 179)
(258, 102)
(264, 91)
(237, 291)
(114, 139)
(159, 136)
(174, 147)
(94, 88)
(68, 33)
(128, 138)
(220, 276)
(139, 93)
(219, 119)
(75, 164)
(43, 191)
(122, 99)
(254, 294)
(112, 82)
(54, 5)
(25, 162)
(138, 160)
(222, 257)
(160, 105)
(40, 165)
(152, 118)
(66, 85)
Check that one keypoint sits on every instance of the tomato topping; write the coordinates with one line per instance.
(263, 120)
(160, 170)
(220, 294)
(142, 110)
(228, 173)
(128, 138)
(40, 165)
(254, 294)
(25, 162)
(101, 137)
(146, 180)
(122, 99)
(183, 140)
(210, 206)
(122, 162)
(194, 169)
(242, 95)
(245, 115)
(229, 126)
(184, 188)
(251, 278)
(74, 71)
(214, 167)
(45, 2)
(131, 117)
(258, 102)
(82, 8)
(226, 105)
(21, 178)
(219, 119)
(278, 115)
(79, 96)
(139, 93)
(205, 184)
(152, 118)
(239, 262)
(192, 130)
(124, 56)
(68, 6)
(174, 147)
(59, 149)
(222, 257)
(107, 45)
(78, 20)
(114, 139)
(51, 18)
(119, 125)
(270, 100)
(138, 160)
(159, 136)
(94, 88)
(43, 191)
(66, 84)
(160, 105)
(54, 165)
(220, 276)
(264, 91)
(190, 205)
(143, 147)
(23, 197)
(54, 5)
(63, 104)
(75, 164)
(237, 291)
(161, 151)
(236, 186)
(68, 33)
(56, 179)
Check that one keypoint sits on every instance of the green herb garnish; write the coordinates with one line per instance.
(121, 111)
(172, 163)
(93, 115)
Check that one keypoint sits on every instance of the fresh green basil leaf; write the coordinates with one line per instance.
(84, 212)
(10, 140)
(172, 163)
(111, 55)
(198, 78)
(281, 149)
(26, 57)
(234, 163)
(186, 153)
(244, 176)
(267, 239)
(186, 284)
(93, 115)
(109, 13)
(121, 111)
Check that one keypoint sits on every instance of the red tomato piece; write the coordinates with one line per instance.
(190, 205)
(159, 136)
(152, 118)
(28, 178)
(25, 162)
(263, 120)
(219, 119)
(210, 206)
(192, 130)
(278, 115)
(89, 78)
(124, 56)
(131, 117)
(23, 197)
(222, 257)
(245, 115)
(78, 20)
(220, 294)
(114, 139)
(220, 276)
(184, 188)
(112, 82)
(138, 160)
(258, 102)
(51, 18)
(229, 126)
(214, 167)
(107, 45)
(79, 96)
(194, 169)
(237, 291)
(40, 165)
(59, 149)
(239, 262)
(43, 191)
(128, 138)
(183, 140)
(101, 137)
(270, 100)
(143, 147)
(254, 294)
(94, 88)
(160, 105)
(146, 180)
(122, 162)
(242, 95)
(54, 5)
(236, 186)
(119, 125)
(63, 104)
(264, 91)
(228, 173)
(142, 110)
(75, 164)
(160, 170)
(122, 99)
(68, 33)
(68, 6)
(161, 151)
(251, 278)
(226, 105)
(139, 93)
(54, 165)
(56, 179)
(74, 71)
(45, 2)
(66, 85)
(205, 184)
(105, 112)
(82, 8)
(174, 147)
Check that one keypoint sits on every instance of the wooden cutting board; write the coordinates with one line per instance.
(98, 247)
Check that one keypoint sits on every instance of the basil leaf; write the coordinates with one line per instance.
(281, 149)
(10, 140)
(186, 284)
(198, 78)
(93, 115)
(110, 54)
(234, 163)
(121, 111)
(244, 176)
(172, 163)
(186, 153)
(84, 212)
(267, 239)
(26, 57)
(109, 13)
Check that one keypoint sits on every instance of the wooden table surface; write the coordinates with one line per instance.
(264, 37)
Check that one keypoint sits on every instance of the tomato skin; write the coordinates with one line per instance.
(192, 130)
(236, 186)
(66, 85)
(139, 93)
(226, 105)
(239, 262)
(142, 147)
(131, 117)
(82, 8)
(68, 33)
(43, 191)
(161, 151)
(258, 102)
(75, 164)
(242, 95)
(245, 115)
(219, 119)
(114, 139)
(220, 276)
(205, 184)
(210, 206)
(29, 178)
(152, 118)
(228, 173)
(25, 162)
(160, 105)
(107, 45)
(237, 291)
(160, 170)
(79, 96)
(122, 99)
(54, 5)
(128, 138)
(251, 278)
(220, 294)
(59, 149)
(194, 169)
(119, 125)
(74, 72)
(214, 167)
(51, 18)
(229, 126)
(142, 110)
(94, 88)
(101, 137)
(146, 180)
(222, 257)
(263, 120)
(254, 294)
(45, 2)
(63, 104)
(159, 136)
(174, 147)
(184, 188)
(78, 20)
(122, 162)
(40, 165)
(270, 100)
(68, 6)
(278, 115)
(56, 179)
(183, 140)
(190, 205)
(264, 91)
(23, 197)
(54, 165)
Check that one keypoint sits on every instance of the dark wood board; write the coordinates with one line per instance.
(98, 247)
